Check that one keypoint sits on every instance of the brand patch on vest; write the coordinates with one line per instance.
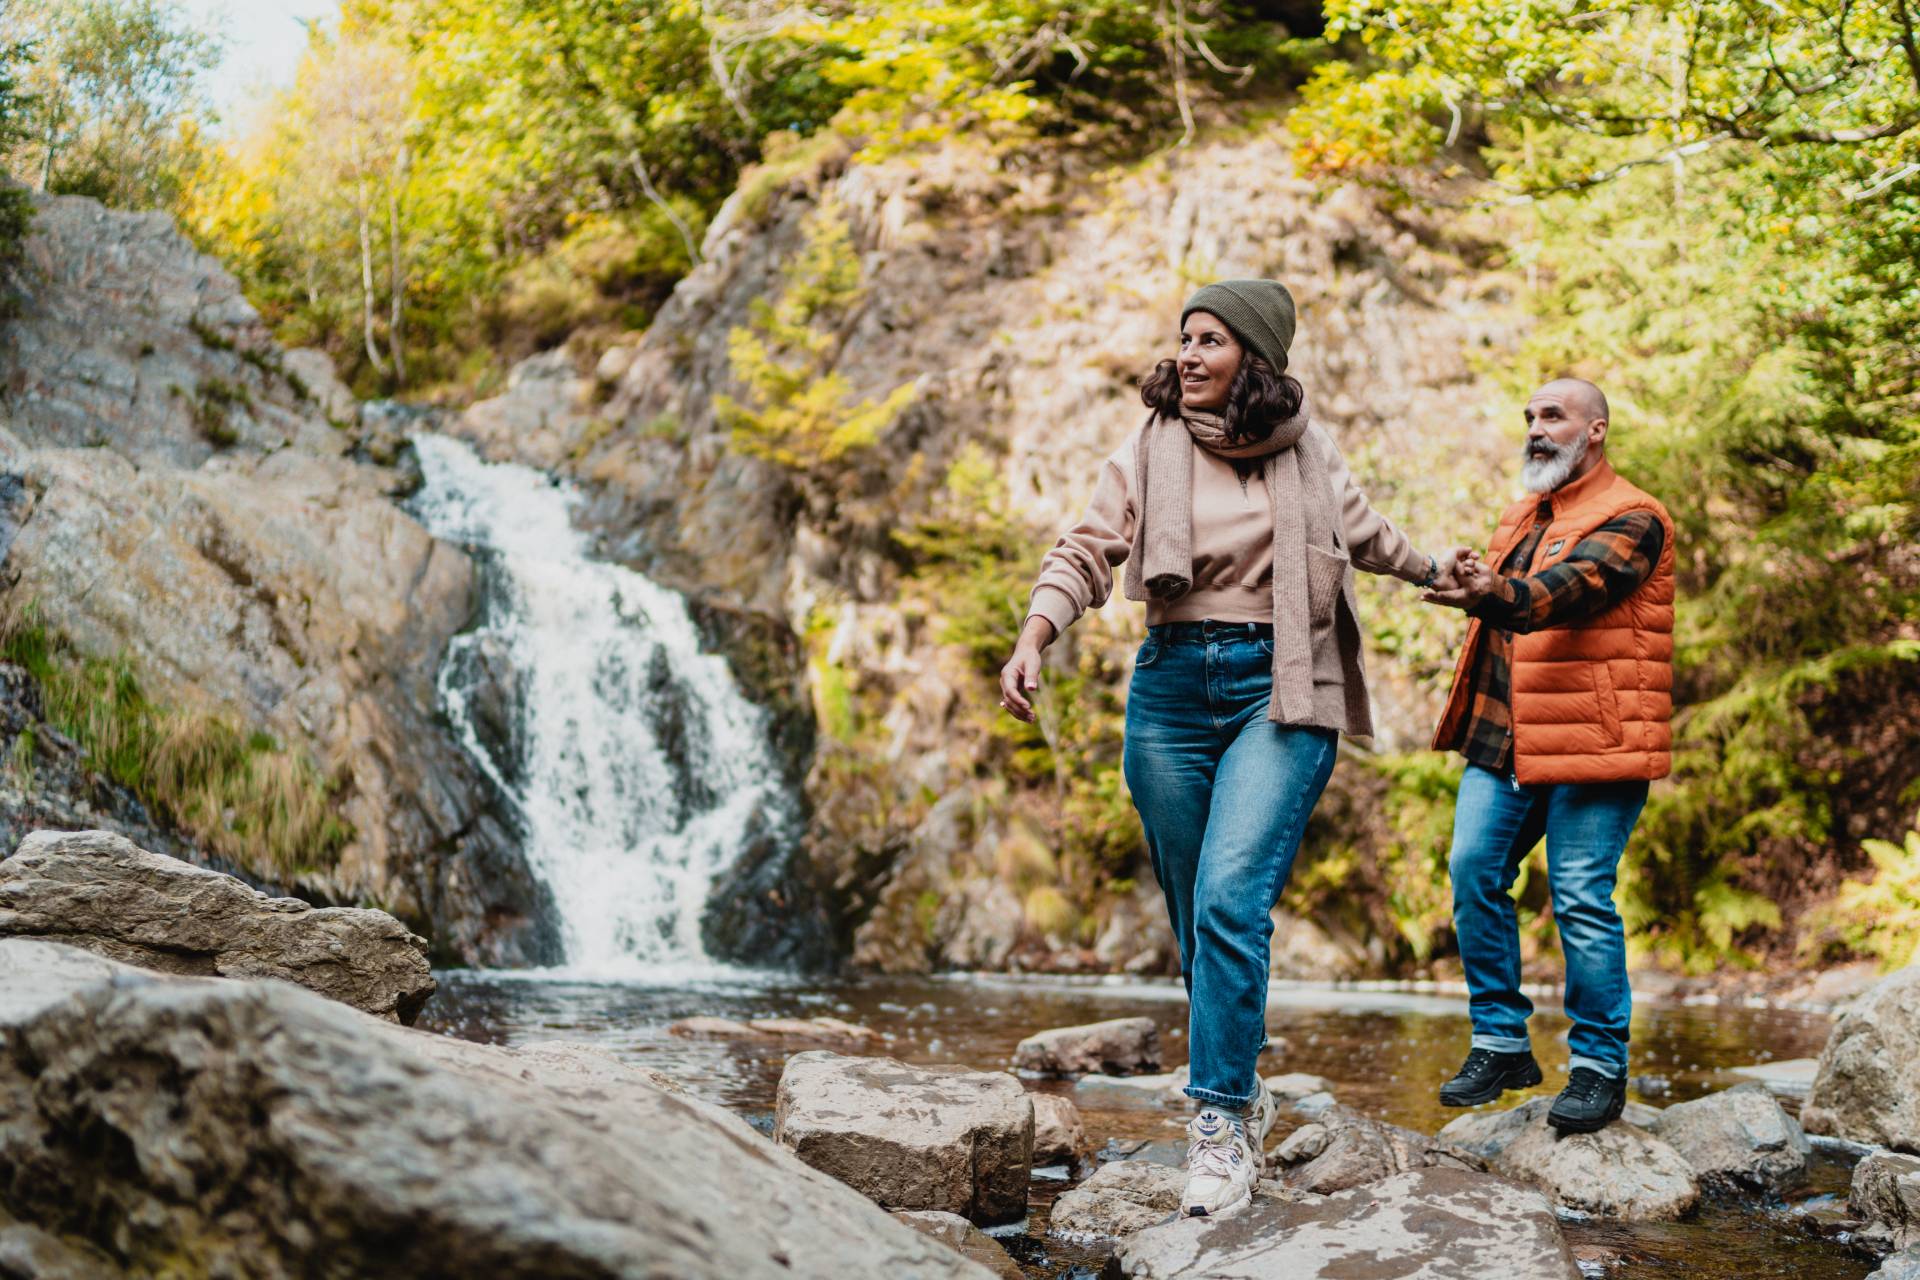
(1554, 549)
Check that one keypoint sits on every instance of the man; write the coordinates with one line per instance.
(1560, 704)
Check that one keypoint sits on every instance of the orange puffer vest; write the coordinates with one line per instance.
(1591, 700)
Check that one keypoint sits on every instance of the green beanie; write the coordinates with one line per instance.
(1260, 313)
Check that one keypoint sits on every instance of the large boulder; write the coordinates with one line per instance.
(1886, 1195)
(957, 1233)
(179, 1124)
(1116, 1047)
(1867, 1086)
(908, 1137)
(1433, 1224)
(1739, 1137)
(1620, 1172)
(101, 892)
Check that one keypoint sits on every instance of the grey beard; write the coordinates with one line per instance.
(1544, 475)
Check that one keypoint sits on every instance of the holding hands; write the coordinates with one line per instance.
(1465, 580)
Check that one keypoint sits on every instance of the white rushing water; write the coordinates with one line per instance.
(640, 770)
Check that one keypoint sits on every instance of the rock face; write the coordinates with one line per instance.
(1867, 1087)
(157, 446)
(196, 1122)
(1886, 1194)
(1343, 1149)
(1117, 1047)
(956, 1232)
(908, 1137)
(98, 891)
(1435, 1224)
(1058, 1135)
(1739, 1136)
(1620, 1172)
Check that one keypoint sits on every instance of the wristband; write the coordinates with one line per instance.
(1433, 573)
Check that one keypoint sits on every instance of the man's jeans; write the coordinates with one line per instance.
(1224, 796)
(1496, 824)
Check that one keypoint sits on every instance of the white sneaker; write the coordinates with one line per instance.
(1222, 1167)
(1264, 1112)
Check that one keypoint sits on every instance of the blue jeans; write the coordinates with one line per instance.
(1496, 824)
(1224, 795)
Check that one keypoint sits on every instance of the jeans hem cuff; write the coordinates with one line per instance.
(1229, 1100)
(1612, 1070)
(1502, 1044)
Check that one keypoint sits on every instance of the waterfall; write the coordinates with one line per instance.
(639, 770)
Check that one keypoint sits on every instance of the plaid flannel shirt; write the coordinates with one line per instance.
(1604, 568)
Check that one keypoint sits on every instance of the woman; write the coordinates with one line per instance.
(1239, 526)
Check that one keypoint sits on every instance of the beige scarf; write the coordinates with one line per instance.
(1300, 492)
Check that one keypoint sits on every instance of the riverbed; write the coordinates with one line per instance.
(1383, 1049)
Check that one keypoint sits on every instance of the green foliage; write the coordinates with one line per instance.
(1574, 95)
(116, 107)
(1880, 917)
(213, 405)
(16, 207)
(799, 411)
(240, 795)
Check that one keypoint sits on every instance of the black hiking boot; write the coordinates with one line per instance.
(1590, 1102)
(1486, 1075)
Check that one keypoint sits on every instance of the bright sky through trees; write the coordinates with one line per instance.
(263, 40)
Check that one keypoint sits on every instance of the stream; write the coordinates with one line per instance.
(1383, 1051)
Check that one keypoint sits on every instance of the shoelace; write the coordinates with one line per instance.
(1218, 1154)
(1585, 1085)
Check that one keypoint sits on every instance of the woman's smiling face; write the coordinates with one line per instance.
(1209, 357)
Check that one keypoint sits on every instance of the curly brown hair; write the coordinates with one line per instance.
(1257, 398)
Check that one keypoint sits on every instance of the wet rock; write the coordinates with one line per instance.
(1867, 1086)
(963, 1237)
(1116, 1047)
(1886, 1195)
(1904, 1265)
(775, 1029)
(1058, 1135)
(1127, 1195)
(100, 892)
(255, 1120)
(1620, 1172)
(1118, 1199)
(1739, 1137)
(911, 1137)
(1165, 1087)
(1296, 1085)
(1787, 1078)
(1436, 1224)
(1344, 1149)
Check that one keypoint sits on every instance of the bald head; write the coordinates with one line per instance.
(1579, 394)
(1566, 433)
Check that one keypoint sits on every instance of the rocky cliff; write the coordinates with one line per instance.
(1001, 311)
(211, 518)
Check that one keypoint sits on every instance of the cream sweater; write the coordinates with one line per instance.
(1232, 559)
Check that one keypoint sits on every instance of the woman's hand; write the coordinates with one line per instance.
(1473, 581)
(1021, 676)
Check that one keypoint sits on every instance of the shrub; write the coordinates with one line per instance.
(241, 795)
